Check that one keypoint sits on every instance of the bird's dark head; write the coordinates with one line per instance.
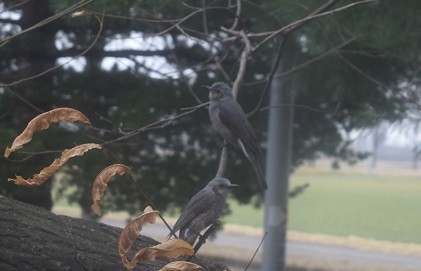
(218, 90)
(221, 186)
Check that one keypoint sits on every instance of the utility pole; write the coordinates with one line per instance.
(278, 167)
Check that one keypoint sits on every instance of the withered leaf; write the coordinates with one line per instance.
(171, 248)
(181, 266)
(101, 182)
(47, 172)
(132, 230)
(42, 122)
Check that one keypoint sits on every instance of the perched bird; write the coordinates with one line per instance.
(229, 119)
(203, 209)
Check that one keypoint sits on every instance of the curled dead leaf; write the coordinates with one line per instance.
(42, 122)
(171, 248)
(181, 266)
(47, 172)
(132, 230)
(101, 182)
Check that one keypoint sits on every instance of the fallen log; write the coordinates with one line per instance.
(32, 238)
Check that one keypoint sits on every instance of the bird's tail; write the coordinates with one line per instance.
(256, 165)
(259, 172)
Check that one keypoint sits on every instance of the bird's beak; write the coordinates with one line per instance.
(206, 87)
(233, 186)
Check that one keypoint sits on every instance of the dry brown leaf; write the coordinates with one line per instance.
(47, 172)
(132, 230)
(101, 181)
(42, 122)
(171, 248)
(181, 266)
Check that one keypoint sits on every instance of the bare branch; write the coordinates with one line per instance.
(350, 64)
(205, 18)
(182, 20)
(300, 23)
(243, 63)
(155, 125)
(195, 107)
(49, 20)
(14, 93)
(316, 58)
(294, 26)
(311, 108)
(238, 81)
(222, 161)
(270, 77)
(120, 53)
(101, 24)
(237, 16)
(257, 250)
(13, 6)
(30, 155)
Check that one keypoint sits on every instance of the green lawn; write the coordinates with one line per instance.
(369, 206)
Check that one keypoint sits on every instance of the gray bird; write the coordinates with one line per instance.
(203, 209)
(230, 121)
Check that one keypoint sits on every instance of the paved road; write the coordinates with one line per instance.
(294, 248)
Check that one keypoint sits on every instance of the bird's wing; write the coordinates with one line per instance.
(198, 204)
(232, 116)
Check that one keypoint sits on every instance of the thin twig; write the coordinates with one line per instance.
(303, 106)
(31, 154)
(195, 107)
(184, 80)
(150, 202)
(298, 24)
(222, 160)
(205, 19)
(293, 69)
(257, 250)
(76, 254)
(237, 15)
(155, 125)
(243, 64)
(48, 20)
(17, 95)
(142, 191)
(243, 59)
(270, 78)
(224, 73)
(354, 67)
(101, 24)
(12, 6)
(316, 58)
(290, 28)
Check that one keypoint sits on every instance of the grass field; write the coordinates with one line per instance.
(383, 207)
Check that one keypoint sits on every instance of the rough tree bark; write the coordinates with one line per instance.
(32, 238)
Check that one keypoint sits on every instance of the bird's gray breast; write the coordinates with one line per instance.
(219, 126)
(210, 216)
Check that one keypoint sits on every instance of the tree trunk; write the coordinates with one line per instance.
(32, 238)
